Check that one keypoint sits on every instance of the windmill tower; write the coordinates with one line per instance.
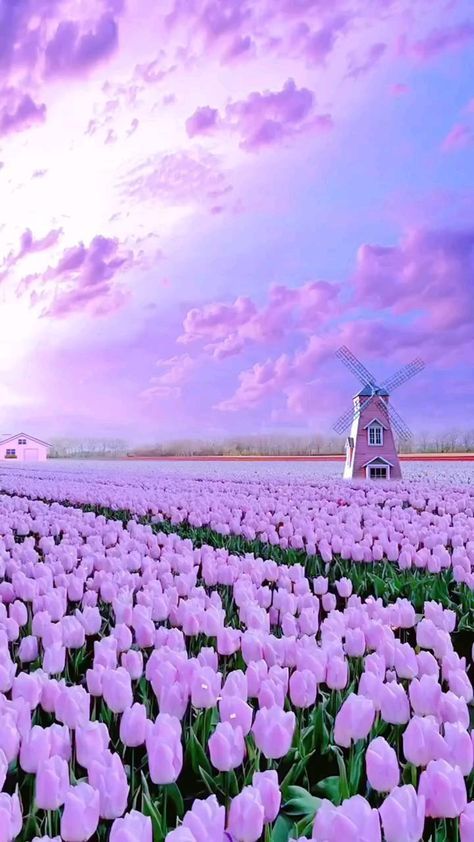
(371, 452)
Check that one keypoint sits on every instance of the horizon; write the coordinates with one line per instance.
(205, 201)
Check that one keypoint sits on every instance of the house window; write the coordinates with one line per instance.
(378, 472)
(21, 441)
(375, 435)
(10, 453)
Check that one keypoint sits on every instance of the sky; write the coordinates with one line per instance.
(203, 199)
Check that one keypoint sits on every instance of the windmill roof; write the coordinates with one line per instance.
(366, 392)
(23, 435)
(378, 460)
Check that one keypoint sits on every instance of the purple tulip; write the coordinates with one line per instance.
(133, 827)
(236, 712)
(303, 688)
(52, 783)
(205, 820)
(117, 689)
(354, 720)
(381, 763)
(422, 741)
(246, 816)
(273, 731)
(266, 784)
(226, 747)
(107, 775)
(466, 823)
(80, 817)
(92, 739)
(444, 790)
(354, 820)
(164, 749)
(11, 820)
(403, 815)
(133, 725)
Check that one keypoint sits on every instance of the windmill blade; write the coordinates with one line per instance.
(404, 374)
(395, 419)
(347, 418)
(354, 365)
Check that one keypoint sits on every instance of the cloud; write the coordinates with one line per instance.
(441, 40)
(399, 89)
(430, 273)
(70, 51)
(263, 119)
(176, 372)
(371, 59)
(202, 121)
(28, 245)
(179, 179)
(83, 278)
(228, 328)
(18, 111)
(459, 137)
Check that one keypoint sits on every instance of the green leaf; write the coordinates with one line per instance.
(343, 783)
(331, 789)
(300, 802)
(151, 810)
(175, 795)
(198, 755)
(281, 830)
(209, 781)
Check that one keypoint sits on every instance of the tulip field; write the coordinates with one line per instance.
(205, 658)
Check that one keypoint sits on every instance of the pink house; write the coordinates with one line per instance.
(23, 448)
(370, 446)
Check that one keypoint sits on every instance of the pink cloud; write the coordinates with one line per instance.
(459, 137)
(228, 328)
(440, 40)
(359, 67)
(264, 119)
(72, 51)
(176, 371)
(18, 111)
(82, 279)
(202, 121)
(28, 245)
(430, 272)
(179, 178)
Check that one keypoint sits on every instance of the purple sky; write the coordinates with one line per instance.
(202, 199)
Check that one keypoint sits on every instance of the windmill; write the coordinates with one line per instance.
(370, 447)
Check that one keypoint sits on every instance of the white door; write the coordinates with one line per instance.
(31, 454)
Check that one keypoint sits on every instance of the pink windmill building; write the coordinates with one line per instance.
(371, 451)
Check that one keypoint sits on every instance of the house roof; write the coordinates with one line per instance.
(26, 436)
(376, 421)
(368, 390)
(378, 460)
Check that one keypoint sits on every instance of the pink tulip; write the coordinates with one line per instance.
(226, 747)
(73, 706)
(246, 816)
(459, 747)
(236, 712)
(273, 731)
(303, 688)
(444, 790)
(117, 689)
(354, 820)
(266, 784)
(133, 725)
(466, 823)
(11, 820)
(381, 762)
(422, 741)
(92, 739)
(133, 827)
(354, 720)
(80, 817)
(164, 749)
(107, 775)
(205, 821)
(394, 705)
(337, 673)
(403, 815)
(52, 783)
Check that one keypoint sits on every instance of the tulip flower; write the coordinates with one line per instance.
(205, 820)
(266, 784)
(80, 817)
(133, 827)
(133, 725)
(164, 749)
(107, 775)
(117, 689)
(236, 712)
(92, 739)
(381, 763)
(226, 747)
(466, 823)
(354, 820)
(303, 688)
(354, 720)
(52, 783)
(444, 790)
(273, 731)
(422, 741)
(246, 816)
(403, 815)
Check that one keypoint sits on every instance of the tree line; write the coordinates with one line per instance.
(450, 441)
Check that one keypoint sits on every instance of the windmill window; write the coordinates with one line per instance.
(375, 435)
(10, 452)
(378, 473)
(21, 441)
